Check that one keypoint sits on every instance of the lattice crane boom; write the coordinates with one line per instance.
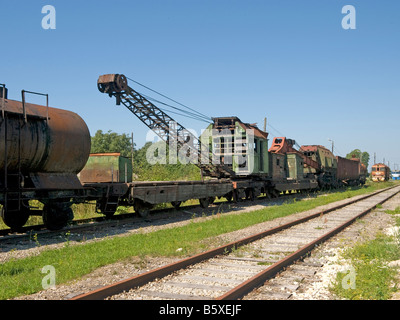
(161, 123)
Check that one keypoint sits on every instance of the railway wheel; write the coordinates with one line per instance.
(239, 195)
(276, 193)
(15, 217)
(142, 208)
(176, 204)
(250, 194)
(56, 215)
(229, 196)
(204, 202)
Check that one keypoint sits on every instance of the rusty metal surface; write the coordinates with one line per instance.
(181, 182)
(61, 144)
(162, 193)
(156, 192)
(348, 169)
(229, 123)
(325, 158)
(55, 181)
(380, 172)
(282, 145)
(99, 189)
(106, 167)
(108, 83)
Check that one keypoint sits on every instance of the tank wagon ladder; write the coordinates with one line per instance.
(12, 182)
(15, 209)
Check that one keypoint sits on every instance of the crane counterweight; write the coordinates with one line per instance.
(112, 83)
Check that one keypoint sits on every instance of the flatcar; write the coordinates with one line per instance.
(380, 172)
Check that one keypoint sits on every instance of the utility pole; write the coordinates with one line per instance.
(332, 144)
(132, 153)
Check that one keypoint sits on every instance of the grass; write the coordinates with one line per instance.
(395, 211)
(24, 276)
(374, 279)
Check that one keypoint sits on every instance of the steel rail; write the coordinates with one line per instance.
(8, 233)
(144, 278)
(257, 280)
(84, 223)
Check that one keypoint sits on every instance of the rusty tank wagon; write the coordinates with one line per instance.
(43, 149)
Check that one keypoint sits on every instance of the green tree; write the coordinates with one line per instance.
(142, 168)
(164, 171)
(365, 159)
(357, 153)
(111, 142)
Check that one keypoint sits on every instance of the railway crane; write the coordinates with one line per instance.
(169, 130)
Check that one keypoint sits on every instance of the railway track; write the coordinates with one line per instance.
(93, 223)
(7, 235)
(232, 271)
(80, 223)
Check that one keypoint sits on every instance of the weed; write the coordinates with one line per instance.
(67, 235)
(264, 263)
(395, 211)
(34, 238)
(373, 278)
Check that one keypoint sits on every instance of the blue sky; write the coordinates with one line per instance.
(289, 61)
